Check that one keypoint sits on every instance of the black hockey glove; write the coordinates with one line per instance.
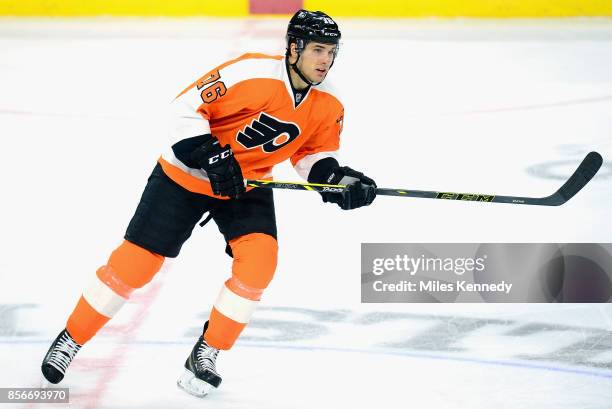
(222, 168)
(361, 190)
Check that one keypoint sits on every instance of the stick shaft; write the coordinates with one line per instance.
(583, 174)
(424, 194)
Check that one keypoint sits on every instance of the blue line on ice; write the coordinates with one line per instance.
(376, 351)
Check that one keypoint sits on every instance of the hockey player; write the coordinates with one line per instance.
(236, 122)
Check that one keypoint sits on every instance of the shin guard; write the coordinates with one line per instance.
(129, 267)
(255, 259)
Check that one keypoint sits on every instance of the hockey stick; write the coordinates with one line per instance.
(585, 172)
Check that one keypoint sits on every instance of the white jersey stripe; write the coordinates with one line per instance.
(169, 156)
(304, 165)
(185, 122)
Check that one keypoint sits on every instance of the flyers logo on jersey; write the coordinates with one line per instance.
(269, 133)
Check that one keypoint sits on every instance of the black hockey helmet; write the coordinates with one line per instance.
(306, 26)
(313, 26)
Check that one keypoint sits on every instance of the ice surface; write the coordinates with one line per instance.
(493, 107)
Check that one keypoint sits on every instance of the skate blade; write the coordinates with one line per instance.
(192, 385)
(44, 383)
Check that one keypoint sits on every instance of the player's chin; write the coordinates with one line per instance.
(320, 75)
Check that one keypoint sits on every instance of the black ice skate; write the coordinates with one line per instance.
(59, 356)
(200, 374)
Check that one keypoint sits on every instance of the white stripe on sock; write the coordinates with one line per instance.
(103, 299)
(234, 306)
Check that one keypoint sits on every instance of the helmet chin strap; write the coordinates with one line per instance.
(300, 74)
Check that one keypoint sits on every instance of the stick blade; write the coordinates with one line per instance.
(585, 172)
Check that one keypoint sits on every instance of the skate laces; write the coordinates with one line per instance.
(207, 356)
(63, 352)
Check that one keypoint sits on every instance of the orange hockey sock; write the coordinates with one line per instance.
(255, 259)
(129, 267)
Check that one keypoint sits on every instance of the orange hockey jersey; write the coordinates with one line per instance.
(249, 104)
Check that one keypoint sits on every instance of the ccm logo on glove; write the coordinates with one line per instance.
(222, 155)
(222, 168)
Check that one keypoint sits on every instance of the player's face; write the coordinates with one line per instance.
(316, 60)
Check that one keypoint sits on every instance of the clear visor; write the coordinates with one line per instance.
(301, 46)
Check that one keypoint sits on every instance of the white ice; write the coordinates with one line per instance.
(505, 107)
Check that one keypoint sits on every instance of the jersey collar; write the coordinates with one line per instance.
(289, 87)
